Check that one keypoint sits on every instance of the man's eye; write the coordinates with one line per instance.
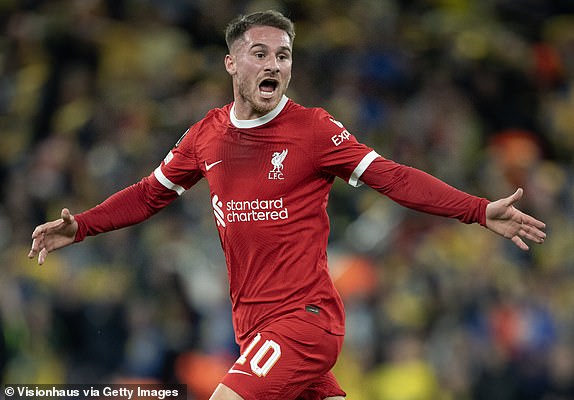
(259, 55)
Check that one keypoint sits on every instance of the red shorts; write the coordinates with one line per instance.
(290, 359)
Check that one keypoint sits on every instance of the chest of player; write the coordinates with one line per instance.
(243, 164)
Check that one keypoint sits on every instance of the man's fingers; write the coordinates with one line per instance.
(66, 215)
(35, 246)
(533, 228)
(535, 235)
(531, 233)
(520, 243)
(536, 223)
(514, 197)
(36, 251)
(41, 253)
(38, 231)
(536, 230)
(38, 244)
(510, 222)
(42, 256)
(50, 236)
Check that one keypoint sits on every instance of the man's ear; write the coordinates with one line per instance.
(230, 64)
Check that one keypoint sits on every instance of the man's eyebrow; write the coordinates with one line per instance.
(264, 46)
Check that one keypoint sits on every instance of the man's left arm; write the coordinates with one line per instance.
(420, 191)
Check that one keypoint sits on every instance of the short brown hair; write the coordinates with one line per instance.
(241, 24)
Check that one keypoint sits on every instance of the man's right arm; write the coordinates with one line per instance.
(127, 207)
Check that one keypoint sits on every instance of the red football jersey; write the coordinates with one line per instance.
(269, 180)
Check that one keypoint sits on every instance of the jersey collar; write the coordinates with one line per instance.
(254, 123)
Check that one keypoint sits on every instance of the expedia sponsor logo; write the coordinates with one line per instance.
(339, 138)
(248, 210)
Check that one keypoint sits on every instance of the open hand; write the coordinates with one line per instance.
(53, 235)
(506, 220)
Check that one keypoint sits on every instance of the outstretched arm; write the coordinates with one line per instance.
(53, 235)
(506, 220)
(127, 207)
(420, 191)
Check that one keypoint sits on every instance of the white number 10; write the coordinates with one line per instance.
(269, 345)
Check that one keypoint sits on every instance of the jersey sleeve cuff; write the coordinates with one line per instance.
(82, 231)
(482, 211)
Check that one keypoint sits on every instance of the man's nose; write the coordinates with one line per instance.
(272, 64)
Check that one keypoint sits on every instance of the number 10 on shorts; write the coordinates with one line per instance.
(270, 350)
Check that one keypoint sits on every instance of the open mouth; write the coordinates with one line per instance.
(267, 87)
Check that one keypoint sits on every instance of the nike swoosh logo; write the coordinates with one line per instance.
(236, 371)
(209, 166)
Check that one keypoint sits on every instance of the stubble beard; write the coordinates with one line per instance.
(259, 106)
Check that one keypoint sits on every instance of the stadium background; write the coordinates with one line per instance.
(93, 94)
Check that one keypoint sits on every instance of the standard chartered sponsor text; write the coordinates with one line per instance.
(256, 210)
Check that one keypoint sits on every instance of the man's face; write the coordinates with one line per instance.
(260, 65)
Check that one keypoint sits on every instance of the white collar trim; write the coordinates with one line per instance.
(253, 123)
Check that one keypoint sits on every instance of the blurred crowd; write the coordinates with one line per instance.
(94, 93)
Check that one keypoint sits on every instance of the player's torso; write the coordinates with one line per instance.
(269, 198)
(260, 176)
